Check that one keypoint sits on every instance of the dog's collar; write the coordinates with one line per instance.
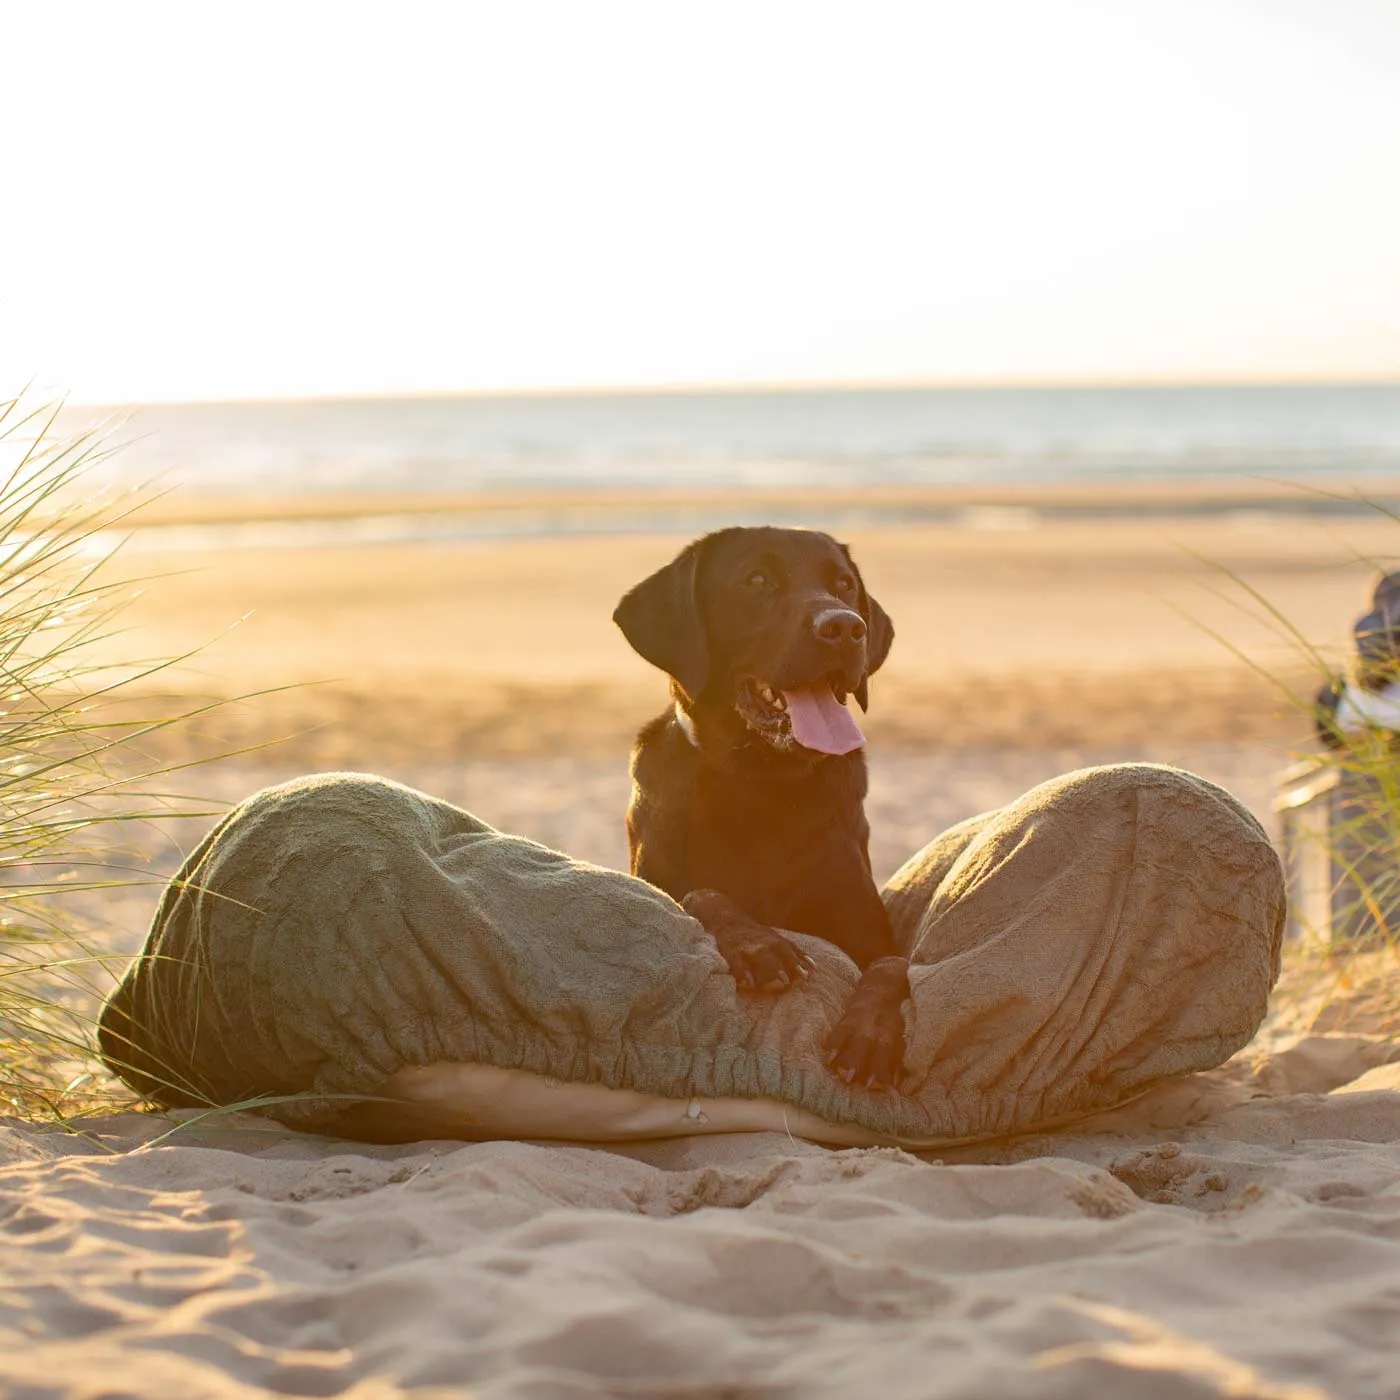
(686, 725)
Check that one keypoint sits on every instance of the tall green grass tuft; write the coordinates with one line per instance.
(73, 786)
(1338, 815)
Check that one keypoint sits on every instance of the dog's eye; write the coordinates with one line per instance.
(845, 584)
(758, 579)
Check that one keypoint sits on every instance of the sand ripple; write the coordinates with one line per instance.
(1220, 1237)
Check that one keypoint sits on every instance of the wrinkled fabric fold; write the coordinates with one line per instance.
(1113, 928)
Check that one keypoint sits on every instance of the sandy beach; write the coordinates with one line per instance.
(490, 671)
(1235, 1234)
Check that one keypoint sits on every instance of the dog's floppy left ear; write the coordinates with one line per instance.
(879, 634)
(660, 617)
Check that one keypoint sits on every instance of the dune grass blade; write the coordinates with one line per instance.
(1349, 953)
(73, 785)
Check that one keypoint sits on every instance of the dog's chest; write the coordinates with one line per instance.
(776, 840)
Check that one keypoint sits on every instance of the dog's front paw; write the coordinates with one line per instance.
(762, 960)
(866, 1047)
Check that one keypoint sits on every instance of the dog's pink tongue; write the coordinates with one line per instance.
(820, 721)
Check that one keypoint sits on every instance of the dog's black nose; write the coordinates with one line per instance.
(839, 625)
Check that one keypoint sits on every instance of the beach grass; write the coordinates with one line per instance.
(1339, 811)
(74, 787)
(1344, 865)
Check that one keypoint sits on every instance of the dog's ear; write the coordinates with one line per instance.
(1386, 593)
(879, 633)
(661, 618)
(878, 640)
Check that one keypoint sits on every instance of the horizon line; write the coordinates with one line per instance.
(777, 386)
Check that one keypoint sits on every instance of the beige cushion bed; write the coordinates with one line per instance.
(374, 962)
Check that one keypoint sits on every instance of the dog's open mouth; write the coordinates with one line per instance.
(814, 716)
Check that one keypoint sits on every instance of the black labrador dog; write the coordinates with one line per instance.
(748, 793)
(1375, 659)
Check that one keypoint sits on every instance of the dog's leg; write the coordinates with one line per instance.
(759, 957)
(866, 1046)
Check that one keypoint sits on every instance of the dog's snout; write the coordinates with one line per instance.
(839, 625)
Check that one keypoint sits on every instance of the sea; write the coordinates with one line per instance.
(1340, 437)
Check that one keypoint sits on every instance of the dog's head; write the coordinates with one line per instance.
(775, 625)
(1377, 636)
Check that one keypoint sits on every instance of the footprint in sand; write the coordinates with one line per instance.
(1164, 1175)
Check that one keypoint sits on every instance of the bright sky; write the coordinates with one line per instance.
(245, 199)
